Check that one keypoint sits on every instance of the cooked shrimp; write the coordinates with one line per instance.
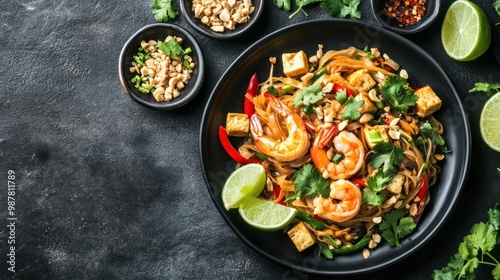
(342, 205)
(295, 145)
(350, 147)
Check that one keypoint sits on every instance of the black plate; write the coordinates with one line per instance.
(228, 96)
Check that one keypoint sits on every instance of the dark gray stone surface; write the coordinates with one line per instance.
(107, 189)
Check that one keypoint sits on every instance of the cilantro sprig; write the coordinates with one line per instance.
(489, 89)
(342, 8)
(375, 185)
(387, 156)
(475, 250)
(309, 183)
(335, 8)
(164, 10)
(429, 131)
(397, 94)
(351, 110)
(395, 226)
(308, 95)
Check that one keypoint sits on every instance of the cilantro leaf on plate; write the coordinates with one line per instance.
(372, 197)
(428, 130)
(352, 106)
(378, 181)
(309, 183)
(388, 156)
(308, 95)
(397, 94)
(395, 226)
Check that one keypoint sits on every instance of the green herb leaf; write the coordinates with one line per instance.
(388, 156)
(429, 131)
(342, 8)
(489, 89)
(394, 227)
(494, 218)
(323, 250)
(452, 271)
(171, 48)
(496, 5)
(301, 4)
(283, 4)
(378, 181)
(351, 111)
(309, 182)
(164, 10)
(341, 96)
(308, 95)
(372, 197)
(397, 94)
(473, 251)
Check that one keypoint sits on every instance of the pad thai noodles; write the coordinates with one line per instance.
(345, 140)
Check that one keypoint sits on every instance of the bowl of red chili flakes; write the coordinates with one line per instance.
(406, 16)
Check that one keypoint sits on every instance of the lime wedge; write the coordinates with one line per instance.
(247, 180)
(466, 32)
(489, 122)
(265, 214)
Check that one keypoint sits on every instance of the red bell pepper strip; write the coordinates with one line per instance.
(252, 89)
(231, 151)
(359, 181)
(422, 192)
(339, 87)
(277, 192)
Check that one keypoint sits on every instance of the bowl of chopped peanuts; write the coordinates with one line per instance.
(407, 16)
(224, 19)
(161, 66)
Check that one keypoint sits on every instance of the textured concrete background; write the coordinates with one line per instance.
(107, 189)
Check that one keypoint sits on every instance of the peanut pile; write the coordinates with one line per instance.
(168, 75)
(223, 14)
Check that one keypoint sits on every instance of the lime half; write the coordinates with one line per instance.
(466, 32)
(265, 214)
(247, 180)
(489, 122)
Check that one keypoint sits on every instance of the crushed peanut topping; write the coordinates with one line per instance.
(161, 74)
(223, 15)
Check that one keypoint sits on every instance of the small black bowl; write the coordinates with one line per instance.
(160, 31)
(432, 11)
(187, 11)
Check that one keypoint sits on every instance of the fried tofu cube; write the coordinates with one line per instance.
(396, 185)
(428, 102)
(372, 135)
(295, 64)
(368, 106)
(301, 236)
(237, 124)
(361, 80)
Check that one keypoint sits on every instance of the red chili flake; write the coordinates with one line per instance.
(405, 12)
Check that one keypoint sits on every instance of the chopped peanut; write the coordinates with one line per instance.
(222, 15)
(165, 74)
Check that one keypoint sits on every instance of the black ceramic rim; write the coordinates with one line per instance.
(228, 34)
(228, 96)
(130, 48)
